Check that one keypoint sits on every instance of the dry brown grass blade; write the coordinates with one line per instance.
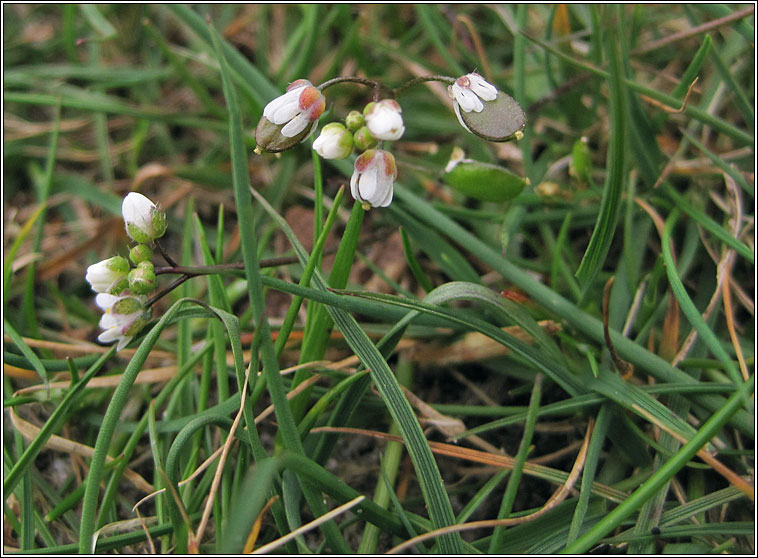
(729, 314)
(58, 443)
(309, 526)
(670, 334)
(703, 454)
(465, 20)
(558, 496)
(147, 376)
(449, 426)
(473, 346)
(655, 45)
(670, 110)
(194, 539)
(255, 531)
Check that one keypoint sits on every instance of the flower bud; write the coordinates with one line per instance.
(140, 253)
(363, 139)
(373, 178)
(108, 276)
(484, 111)
(290, 118)
(334, 142)
(384, 120)
(145, 221)
(142, 279)
(354, 120)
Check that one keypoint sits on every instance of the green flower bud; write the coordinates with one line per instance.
(140, 253)
(142, 279)
(363, 139)
(334, 142)
(354, 120)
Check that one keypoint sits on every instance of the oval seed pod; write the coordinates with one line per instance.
(483, 181)
(500, 120)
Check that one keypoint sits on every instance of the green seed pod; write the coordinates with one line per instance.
(482, 181)
(500, 120)
(581, 160)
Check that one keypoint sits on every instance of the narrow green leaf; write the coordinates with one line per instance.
(709, 429)
(98, 21)
(688, 307)
(610, 206)
(33, 359)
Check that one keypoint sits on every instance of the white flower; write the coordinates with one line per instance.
(373, 178)
(384, 120)
(468, 91)
(334, 142)
(108, 276)
(124, 317)
(299, 107)
(145, 221)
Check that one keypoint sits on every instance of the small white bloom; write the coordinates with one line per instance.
(145, 221)
(299, 107)
(468, 91)
(384, 120)
(124, 317)
(373, 178)
(108, 276)
(334, 142)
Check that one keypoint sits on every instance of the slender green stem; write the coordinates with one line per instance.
(423, 79)
(518, 466)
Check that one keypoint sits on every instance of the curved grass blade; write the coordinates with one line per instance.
(610, 206)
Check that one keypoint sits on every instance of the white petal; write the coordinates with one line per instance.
(313, 129)
(296, 125)
(367, 185)
(354, 185)
(135, 207)
(289, 101)
(105, 300)
(469, 101)
(483, 88)
(285, 113)
(108, 321)
(123, 343)
(457, 110)
(385, 123)
(387, 199)
(110, 335)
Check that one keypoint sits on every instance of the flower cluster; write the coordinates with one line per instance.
(375, 170)
(292, 117)
(122, 289)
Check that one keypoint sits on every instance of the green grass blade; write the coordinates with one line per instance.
(52, 424)
(610, 206)
(688, 307)
(33, 359)
(555, 303)
(709, 429)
